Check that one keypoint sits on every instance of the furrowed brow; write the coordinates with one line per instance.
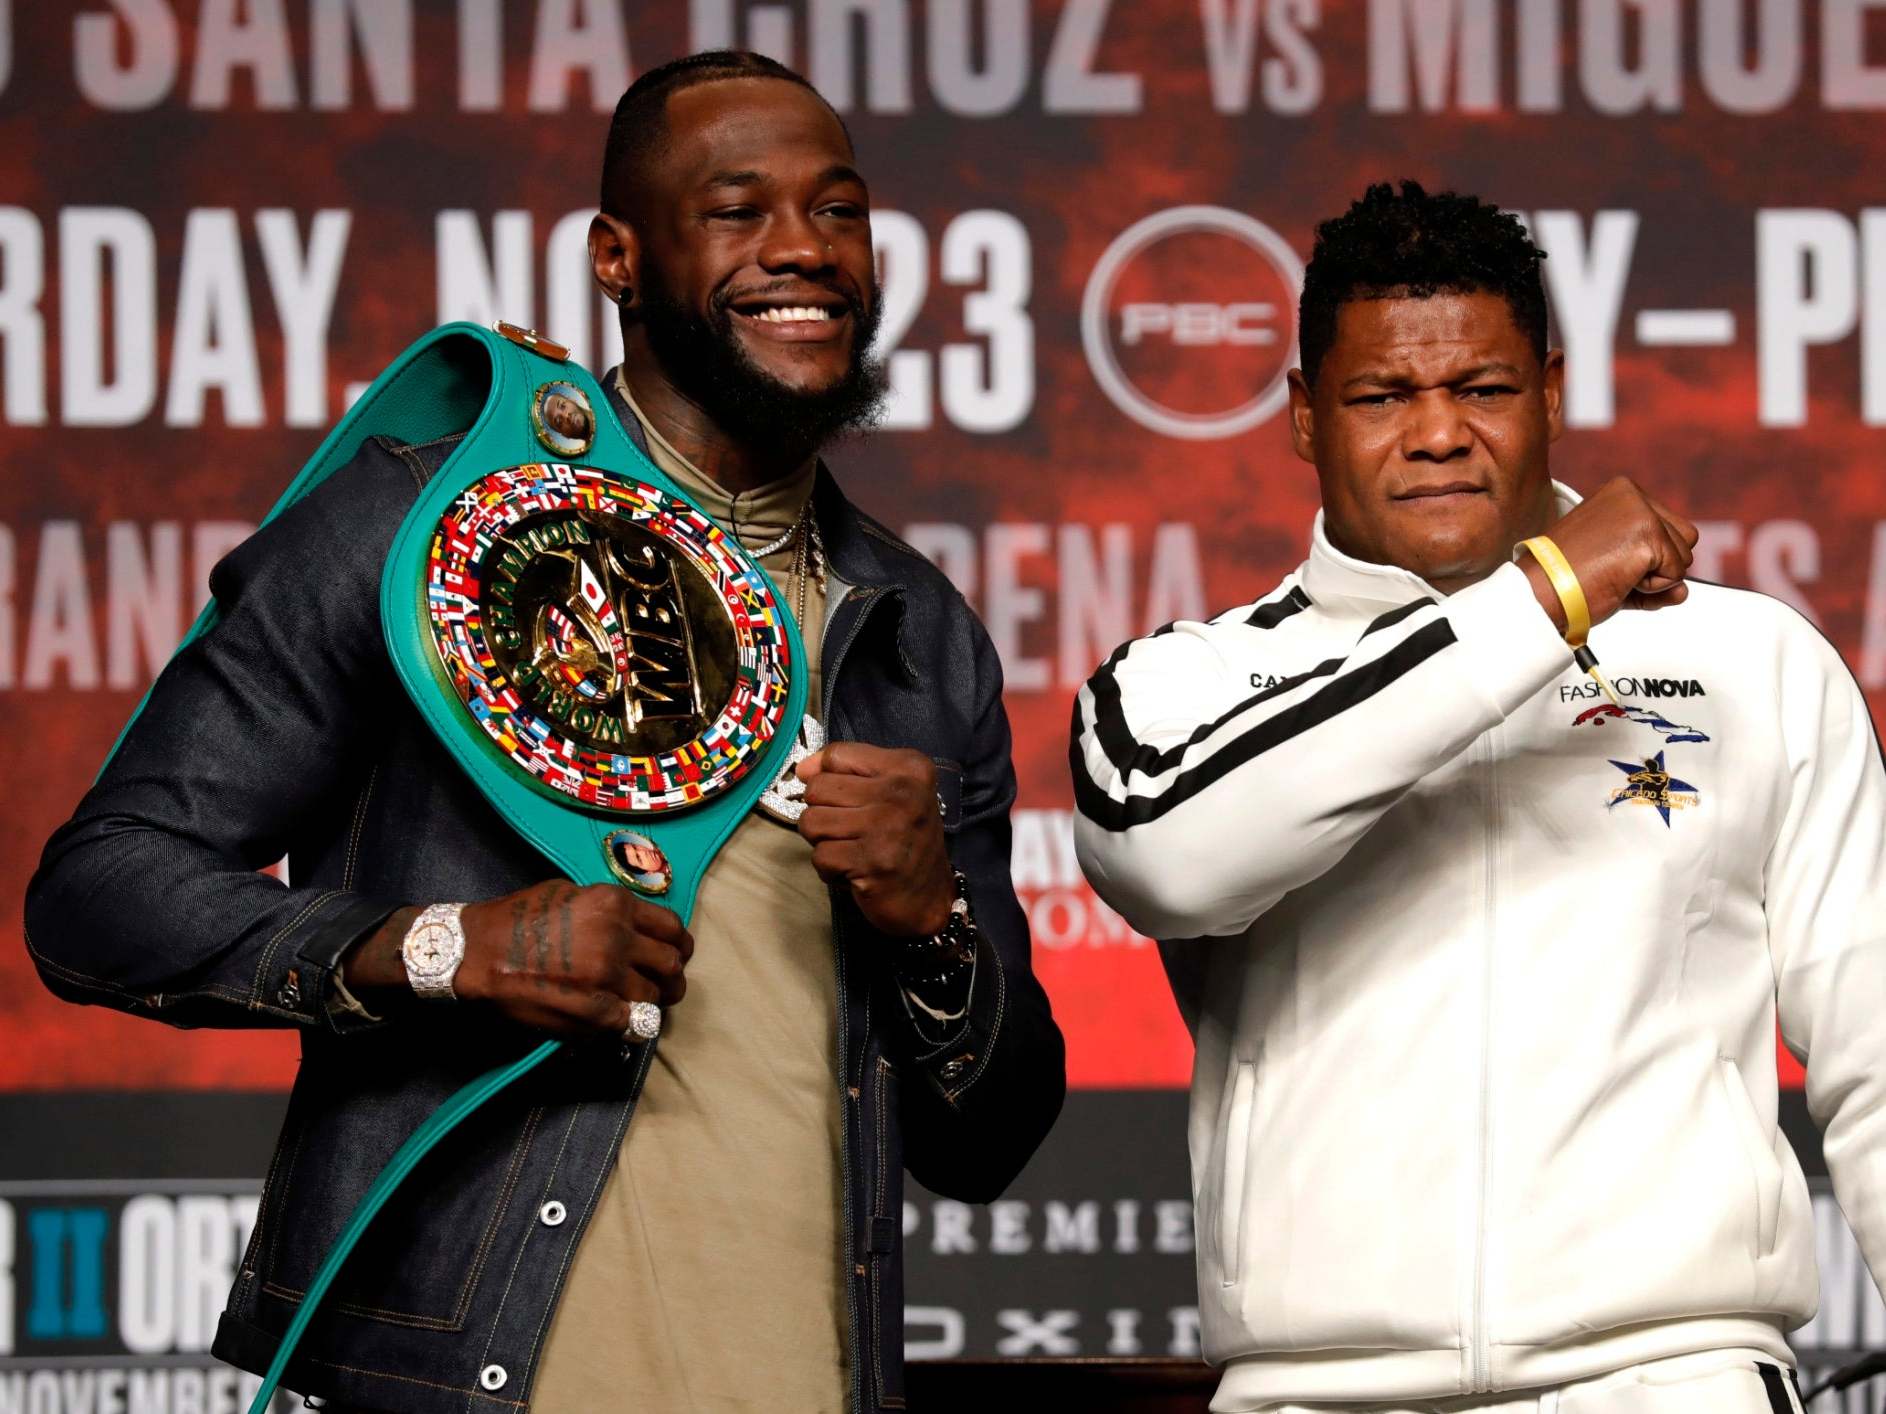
(1404, 378)
(1487, 370)
(1378, 378)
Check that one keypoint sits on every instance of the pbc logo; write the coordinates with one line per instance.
(1200, 325)
(1189, 321)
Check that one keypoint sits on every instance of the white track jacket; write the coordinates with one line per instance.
(1484, 974)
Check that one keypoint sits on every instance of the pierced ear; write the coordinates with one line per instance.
(615, 258)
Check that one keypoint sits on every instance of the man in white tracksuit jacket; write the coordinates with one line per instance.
(1484, 971)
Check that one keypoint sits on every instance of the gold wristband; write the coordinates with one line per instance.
(1565, 584)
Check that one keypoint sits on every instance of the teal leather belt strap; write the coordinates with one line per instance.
(612, 670)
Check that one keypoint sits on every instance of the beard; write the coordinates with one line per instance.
(705, 360)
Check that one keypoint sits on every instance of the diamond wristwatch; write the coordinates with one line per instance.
(433, 949)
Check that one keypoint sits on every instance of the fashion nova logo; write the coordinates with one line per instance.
(1189, 321)
(1569, 691)
(1634, 687)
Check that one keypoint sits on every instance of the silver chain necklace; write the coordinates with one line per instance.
(808, 565)
(808, 560)
(760, 552)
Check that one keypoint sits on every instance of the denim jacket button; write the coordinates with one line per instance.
(952, 1069)
(552, 1214)
(289, 995)
(493, 1377)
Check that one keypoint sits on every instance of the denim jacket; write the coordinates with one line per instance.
(284, 732)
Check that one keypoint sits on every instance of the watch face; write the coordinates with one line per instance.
(430, 948)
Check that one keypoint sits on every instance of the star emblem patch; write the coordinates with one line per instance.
(1649, 782)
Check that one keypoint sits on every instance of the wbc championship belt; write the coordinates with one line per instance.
(614, 672)
(609, 666)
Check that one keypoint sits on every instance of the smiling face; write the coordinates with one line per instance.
(765, 226)
(751, 272)
(1428, 425)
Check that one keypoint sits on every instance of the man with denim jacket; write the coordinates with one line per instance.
(828, 1020)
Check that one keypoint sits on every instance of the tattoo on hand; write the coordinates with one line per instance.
(540, 935)
(517, 956)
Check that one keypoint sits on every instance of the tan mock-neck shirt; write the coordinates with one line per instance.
(711, 1277)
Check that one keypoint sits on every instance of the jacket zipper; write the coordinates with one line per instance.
(1482, 1379)
(849, 1264)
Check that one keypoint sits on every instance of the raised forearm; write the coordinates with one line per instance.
(1196, 815)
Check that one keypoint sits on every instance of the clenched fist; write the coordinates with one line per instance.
(553, 956)
(872, 818)
(1628, 550)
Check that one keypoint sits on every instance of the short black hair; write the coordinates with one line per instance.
(1413, 245)
(640, 124)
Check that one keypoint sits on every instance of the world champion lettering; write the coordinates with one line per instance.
(509, 565)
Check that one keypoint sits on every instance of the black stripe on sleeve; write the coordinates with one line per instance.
(1148, 762)
(1776, 1386)
(1116, 738)
(1395, 616)
(1337, 697)
(1110, 727)
(1271, 614)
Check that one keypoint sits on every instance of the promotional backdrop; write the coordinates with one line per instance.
(220, 218)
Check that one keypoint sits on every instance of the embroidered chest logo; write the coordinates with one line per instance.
(1634, 687)
(1650, 783)
(1643, 717)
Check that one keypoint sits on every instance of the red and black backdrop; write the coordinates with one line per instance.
(219, 218)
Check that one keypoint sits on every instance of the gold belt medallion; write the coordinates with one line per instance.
(613, 643)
